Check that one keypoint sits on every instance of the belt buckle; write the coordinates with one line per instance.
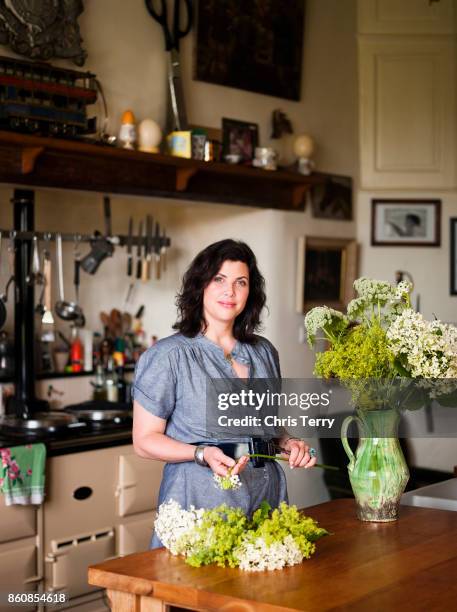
(259, 445)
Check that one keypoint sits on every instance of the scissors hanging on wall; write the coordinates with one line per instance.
(172, 38)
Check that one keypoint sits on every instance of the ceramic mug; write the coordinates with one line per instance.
(266, 158)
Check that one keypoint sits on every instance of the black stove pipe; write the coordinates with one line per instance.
(24, 403)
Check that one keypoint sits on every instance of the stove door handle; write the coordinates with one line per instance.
(33, 579)
(124, 486)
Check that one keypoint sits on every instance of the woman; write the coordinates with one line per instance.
(219, 310)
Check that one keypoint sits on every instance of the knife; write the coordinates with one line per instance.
(129, 248)
(163, 250)
(107, 211)
(138, 250)
(149, 246)
(144, 263)
(157, 250)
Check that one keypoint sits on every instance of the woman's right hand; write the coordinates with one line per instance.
(220, 463)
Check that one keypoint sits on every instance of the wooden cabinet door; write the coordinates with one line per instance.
(407, 112)
(406, 16)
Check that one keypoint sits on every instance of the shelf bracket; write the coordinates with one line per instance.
(298, 195)
(29, 156)
(183, 176)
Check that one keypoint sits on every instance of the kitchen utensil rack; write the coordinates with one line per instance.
(25, 403)
(116, 240)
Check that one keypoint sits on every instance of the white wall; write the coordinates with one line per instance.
(429, 266)
(126, 52)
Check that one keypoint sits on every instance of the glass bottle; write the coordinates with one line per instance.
(112, 393)
(99, 384)
(121, 385)
(76, 352)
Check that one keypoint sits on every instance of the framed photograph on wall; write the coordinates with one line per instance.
(239, 138)
(406, 222)
(453, 266)
(326, 271)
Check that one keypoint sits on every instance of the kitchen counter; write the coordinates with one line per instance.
(441, 495)
(407, 565)
(85, 438)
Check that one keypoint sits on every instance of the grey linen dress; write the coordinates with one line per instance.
(170, 383)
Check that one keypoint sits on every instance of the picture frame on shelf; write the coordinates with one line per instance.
(326, 271)
(397, 222)
(453, 255)
(239, 140)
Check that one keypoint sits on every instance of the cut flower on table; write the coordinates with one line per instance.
(271, 539)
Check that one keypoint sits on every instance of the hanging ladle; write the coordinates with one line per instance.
(80, 321)
(68, 311)
(4, 296)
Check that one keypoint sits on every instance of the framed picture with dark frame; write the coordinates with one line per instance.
(239, 138)
(406, 222)
(254, 46)
(326, 271)
(331, 197)
(453, 266)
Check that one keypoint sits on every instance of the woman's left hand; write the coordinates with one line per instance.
(298, 453)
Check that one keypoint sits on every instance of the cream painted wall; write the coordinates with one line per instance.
(429, 267)
(126, 51)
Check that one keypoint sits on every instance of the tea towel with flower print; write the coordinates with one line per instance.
(22, 474)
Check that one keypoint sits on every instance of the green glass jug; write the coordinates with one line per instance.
(378, 470)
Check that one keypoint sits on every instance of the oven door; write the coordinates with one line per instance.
(66, 564)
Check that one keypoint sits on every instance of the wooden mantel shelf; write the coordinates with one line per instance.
(67, 164)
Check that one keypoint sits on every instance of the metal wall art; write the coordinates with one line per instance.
(42, 29)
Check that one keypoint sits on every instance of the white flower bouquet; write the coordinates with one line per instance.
(226, 536)
(391, 359)
(380, 337)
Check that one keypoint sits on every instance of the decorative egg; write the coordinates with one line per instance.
(149, 136)
(304, 146)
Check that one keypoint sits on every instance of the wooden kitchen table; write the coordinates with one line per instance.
(408, 565)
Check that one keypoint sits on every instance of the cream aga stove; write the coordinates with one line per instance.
(99, 504)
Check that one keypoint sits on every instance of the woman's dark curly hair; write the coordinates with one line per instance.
(201, 272)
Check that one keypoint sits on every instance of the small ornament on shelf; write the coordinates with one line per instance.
(127, 133)
(283, 134)
(303, 149)
(149, 136)
(180, 144)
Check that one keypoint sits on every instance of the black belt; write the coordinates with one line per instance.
(236, 450)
